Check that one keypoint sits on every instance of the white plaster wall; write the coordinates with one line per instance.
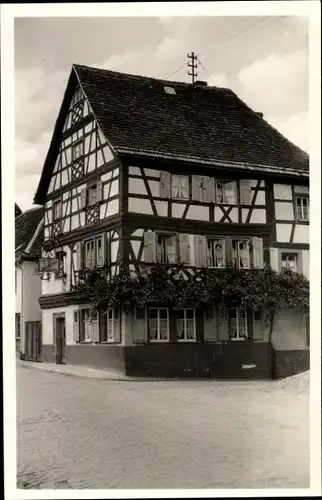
(274, 258)
(18, 289)
(155, 188)
(260, 198)
(162, 208)
(283, 232)
(284, 211)
(198, 212)
(302, 233)
(178, 209)
(112, 207)
(151, 172)
(54, 285)
(137, 186)
(31, 292)
(140, 206)
(48, 324)
(306, 263)
(282, 191)
(301, 189)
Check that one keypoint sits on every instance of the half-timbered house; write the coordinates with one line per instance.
(141, 170)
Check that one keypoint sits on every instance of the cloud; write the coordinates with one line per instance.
(277, 84)
(295, 128)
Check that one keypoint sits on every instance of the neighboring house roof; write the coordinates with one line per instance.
(201, 124)
(18, 210)
(29, 232)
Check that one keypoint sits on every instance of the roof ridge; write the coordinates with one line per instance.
(145, 77)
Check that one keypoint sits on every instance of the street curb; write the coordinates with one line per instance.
(91, 373)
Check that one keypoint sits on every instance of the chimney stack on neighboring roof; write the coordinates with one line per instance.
(201, 83)
(261, 115)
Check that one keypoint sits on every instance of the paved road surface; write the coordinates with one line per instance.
(81, 433)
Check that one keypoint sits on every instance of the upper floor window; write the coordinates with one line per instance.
(60, 265)
(77, 150)
(302, 208)
(238, 329)
(216, 253)
(166, 248)
(226, 192)
(289, 260)
(57, 210)
(240, 253)
(180, 187)
(92, 195)
(94, 253)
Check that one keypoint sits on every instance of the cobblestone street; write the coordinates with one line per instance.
(81, 433)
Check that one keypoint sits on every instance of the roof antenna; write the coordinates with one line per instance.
(192, 65)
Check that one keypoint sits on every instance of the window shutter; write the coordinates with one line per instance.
(149, 247)
(95, 331)
(258, 252)
(200, 251)
(99, 191)
(197, 187)
(228, 249)
(184, 248)
(117, 325)
(76, 325)
(245, 192)
(223, 326)
(83, 198)
(140, 328)
(258, 325)
(79, 255)
(165, 185)
(210, 325)
(209, 190)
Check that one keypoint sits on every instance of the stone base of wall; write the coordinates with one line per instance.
(236, 360)
(290, 362)
(105, 357)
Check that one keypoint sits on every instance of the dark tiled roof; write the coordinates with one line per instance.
(26, 225)
(206, 123)
(18, 210)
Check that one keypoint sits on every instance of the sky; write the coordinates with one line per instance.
(263, 59)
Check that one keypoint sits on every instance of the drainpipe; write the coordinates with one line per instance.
(270, 344)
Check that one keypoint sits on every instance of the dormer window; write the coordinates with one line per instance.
(169, 90)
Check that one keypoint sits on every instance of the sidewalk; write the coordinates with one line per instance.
(75, 371)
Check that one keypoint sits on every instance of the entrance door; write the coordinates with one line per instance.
(60, 341)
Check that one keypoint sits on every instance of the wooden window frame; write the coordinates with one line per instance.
(238, 339)
(224, 202)
(73, 148)
(94, 239)
(57, 201)
(114, 320)
(179, 176)
(176, 241)
(212, 239)
(301, 196)
(159, 340)
(91, 185)
(81, 324)
(231, 251)
(299, 258)
(288, 254)
(194, 339)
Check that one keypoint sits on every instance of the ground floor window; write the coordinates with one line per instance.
(238, 328)
(110, 326)
(159, 324)
(289, 261)
(186, 330)
(90, 326)
(18, 326)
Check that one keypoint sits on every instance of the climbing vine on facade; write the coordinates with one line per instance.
(161, 284)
